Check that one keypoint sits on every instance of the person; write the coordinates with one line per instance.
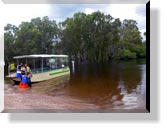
(29, 74)
(23, 69)
(24, 77)
(18, 76)
(18, 73)
(18, 66)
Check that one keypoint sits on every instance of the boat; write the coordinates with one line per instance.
(43, 66)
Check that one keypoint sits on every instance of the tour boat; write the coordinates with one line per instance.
(43, 67)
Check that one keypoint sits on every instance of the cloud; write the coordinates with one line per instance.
(60, 12)
(142, 33)
(17, 13)
(89, 10)
(141, 10)
(127, 11)
(123, 11)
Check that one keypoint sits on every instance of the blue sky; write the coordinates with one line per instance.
(16, 13)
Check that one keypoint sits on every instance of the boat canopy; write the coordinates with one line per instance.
(37, 56)
(43, 62)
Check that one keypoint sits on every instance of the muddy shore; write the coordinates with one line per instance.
(37, 98)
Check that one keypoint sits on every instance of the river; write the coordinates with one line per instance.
(119, 85)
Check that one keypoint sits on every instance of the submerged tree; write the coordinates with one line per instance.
(98, 37)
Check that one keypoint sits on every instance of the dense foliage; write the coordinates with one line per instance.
(94, 37)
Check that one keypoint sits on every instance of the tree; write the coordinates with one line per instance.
(94, 37)
(130, 41)
(9, 40)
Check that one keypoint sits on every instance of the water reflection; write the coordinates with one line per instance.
(115, 85)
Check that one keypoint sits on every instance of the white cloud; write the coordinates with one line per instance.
(142, 33)
(124, 11)
(128, 11)
(17, 13)
(89, 10)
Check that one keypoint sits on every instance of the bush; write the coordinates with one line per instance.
(140, 50)
(125, 54)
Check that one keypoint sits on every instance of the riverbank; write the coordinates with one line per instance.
(37, 98)
(16, 100)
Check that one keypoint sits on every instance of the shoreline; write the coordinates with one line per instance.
(31, 99)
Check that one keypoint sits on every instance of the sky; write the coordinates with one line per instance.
(17, 13)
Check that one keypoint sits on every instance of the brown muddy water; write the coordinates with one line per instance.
(116, 85)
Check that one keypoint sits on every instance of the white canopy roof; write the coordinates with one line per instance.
(37, 56)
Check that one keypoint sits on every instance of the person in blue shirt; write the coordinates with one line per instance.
(18, 78)
(18, 73)
(29, 75)
(24, 78)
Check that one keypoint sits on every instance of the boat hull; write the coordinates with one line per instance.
(43, 76)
